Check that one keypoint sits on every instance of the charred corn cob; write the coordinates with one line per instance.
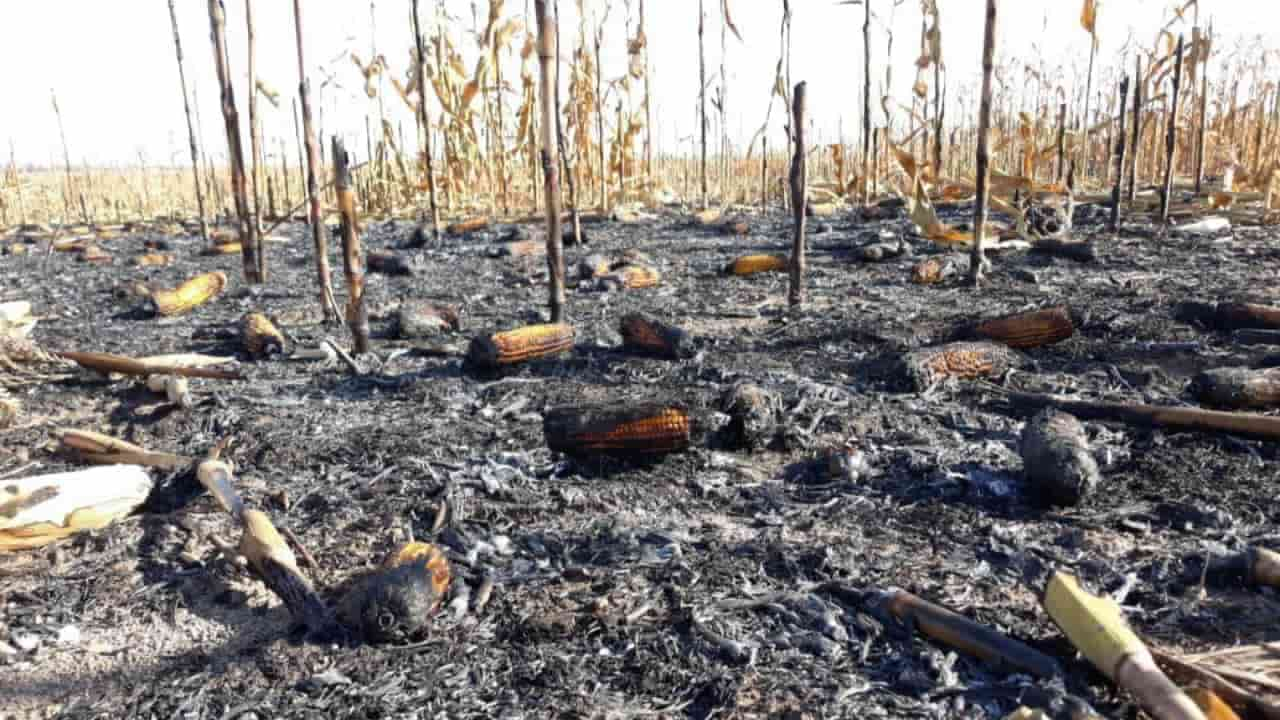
(418, 320)
(932, 271)
(752, 264)
(152, 260)
(633, 277)
(490, 352)
(189, 295)
(260, 336)
(643, 429)
(923, 368)
(1029, 329)
(521, 248)
(463, 227)
(641, 333)
(227, 248)
(396, 601)
(426, 555)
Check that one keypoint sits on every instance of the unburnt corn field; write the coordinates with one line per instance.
(752, 574)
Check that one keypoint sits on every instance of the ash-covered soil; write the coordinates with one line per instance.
(713, 583)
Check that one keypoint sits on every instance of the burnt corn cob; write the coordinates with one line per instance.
(419, 320)
(644, 334)
(94, 254)
(396, 601)
(752, 264)
(932, 271)
(633, 277)
(1029, 329)
(521, 249)
(491, 352)
(230, 248)
(189, 295)
(260, 336)
(922, 369)
(152, 260)
(646, 429)
(463, 227)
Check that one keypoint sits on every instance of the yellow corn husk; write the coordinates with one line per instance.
(821, 209)
(520, 345)
(189, 295)
(94, 254)
(1211, 705)
(38, 510)
(428, 555)
(261, 337)
(70, 245)
(635, 277)
(645, 429)
(707, 217)
(1029, 329)
(17, 248)
(463, 227)
(152, 260)
(752, 264)
(226, 248)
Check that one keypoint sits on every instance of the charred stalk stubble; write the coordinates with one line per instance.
(1171, 138)
(425, 120)
(550, 172)
(249, 240)
(353, 264)
(799, 188)
(1120, 148)
(328, 305)
(977, 259)
(191, 131)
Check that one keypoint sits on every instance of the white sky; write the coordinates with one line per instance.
(112, 62)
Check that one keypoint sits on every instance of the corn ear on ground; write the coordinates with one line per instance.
(490, 352)
(752, 264)
(189, 295)
(396, 601)
(644, 334)
(1028, 330)
(152, 260)
(922, 369)
(632, 277)
(469, 225)
(260, 336)
(229, 248)
(650, 428)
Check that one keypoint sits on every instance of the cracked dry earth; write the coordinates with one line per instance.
(701, 585)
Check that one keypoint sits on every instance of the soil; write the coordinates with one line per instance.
(621, 588)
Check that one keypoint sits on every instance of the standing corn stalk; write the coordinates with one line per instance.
(550, 172)
(604, 174)
(328, 305)
(977, 260)
(66, 156)
(352, 263)
(1136, 138)
(648, 118)
(1089, 20)
(191, 130)
(866, 102)
(255, 141)
(1115, 192)
(1202, 134)
(570, 169)
(235, 150)
(702, 100)
(799, 190)
(1171, 139)
(426, 123)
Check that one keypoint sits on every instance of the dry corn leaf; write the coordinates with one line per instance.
(728, 21)
(1089, 18)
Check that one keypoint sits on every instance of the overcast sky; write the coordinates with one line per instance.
(112, 63)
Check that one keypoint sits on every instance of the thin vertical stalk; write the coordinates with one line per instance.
(328, 305)
(799, 190)
(255, 142)
(1203, 133)
(570, 169)
(1171, 137)
(352, 263)
(1136, 137)
(977, 259)
(702, 100)
(191, 130)
(425, 121)
(235, 150)
(1088, 93)
(648, 118)
(66, 156)
(867, 155)
(1120, 148)
(550, 171)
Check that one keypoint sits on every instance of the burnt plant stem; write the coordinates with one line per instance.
(977, 258)
(1062, 142)
(1135, 140)
(191, 130)
(866, 102)
(1203, 127)
(1171, 137)
(255, 144)
(235, 149)
(66, 157)
(352, 262)
(570, 170)
(702, 102)
(328, 305)
(550, 171)
(799, 189)
(426, 124)
(1120, 148)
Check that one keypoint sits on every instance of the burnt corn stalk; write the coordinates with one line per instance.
(255, 146)
(328, 305)
(702, 102)
(550, 169)
(1062, 141)
(1135, 138)
(1120, 148)
(235, 149)
(191, 130)
(425, 121)
(977, 258)
(1203, 128)
(1171, 137)
(570, 170)
(352, 262)
(866, 102)
(799, 190)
